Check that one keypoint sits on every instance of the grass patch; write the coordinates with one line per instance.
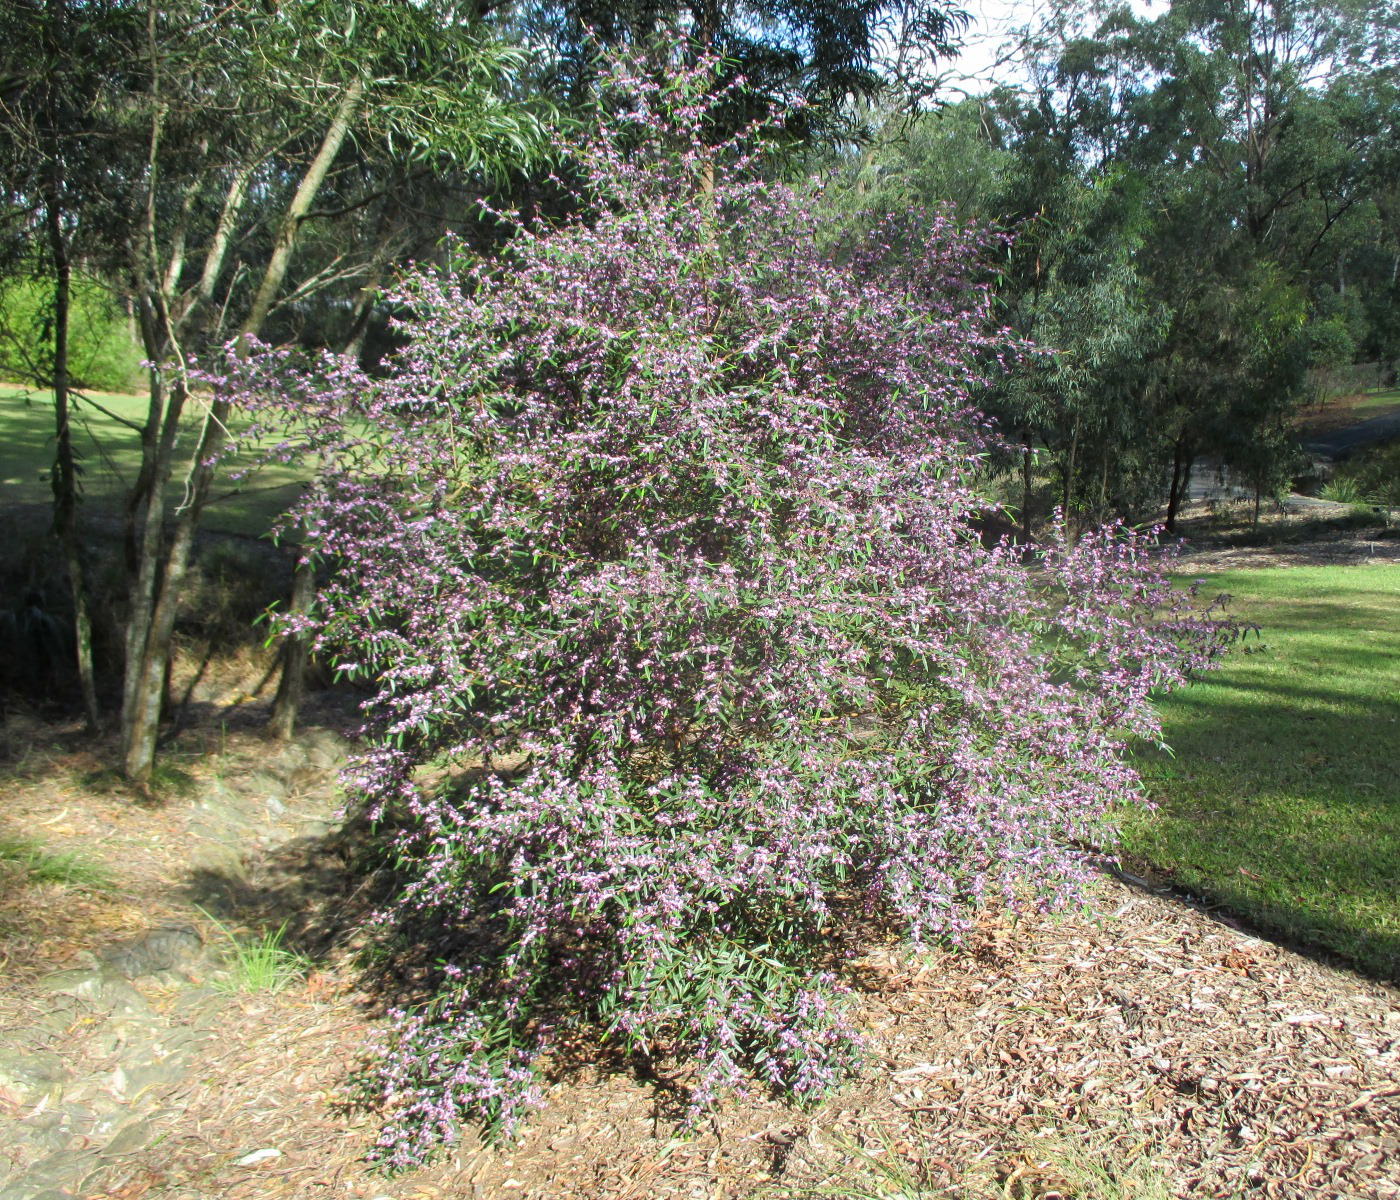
(41, 865)
(1371, 404)
(109, 454)
(1283, 799)
(260, 963)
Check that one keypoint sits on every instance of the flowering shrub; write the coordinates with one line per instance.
(657, 548)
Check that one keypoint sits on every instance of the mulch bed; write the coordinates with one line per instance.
(1145, 1030)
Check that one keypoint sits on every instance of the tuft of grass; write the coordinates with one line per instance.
(68, 868)
(1281, 801)
(260, 963)
(1342, 490)
(883, 1174)
(1078, 1171)
(1370, 476)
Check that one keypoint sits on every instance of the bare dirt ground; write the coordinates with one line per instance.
(1161, 1041)
(1301, 532)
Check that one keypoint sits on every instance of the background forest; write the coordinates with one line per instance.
(1202, 207)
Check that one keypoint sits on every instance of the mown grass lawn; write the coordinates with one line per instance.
(110, 454)
(1370, 404)
(1282, 801)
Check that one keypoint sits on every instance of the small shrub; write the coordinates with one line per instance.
(658, 546)
(1342, 490)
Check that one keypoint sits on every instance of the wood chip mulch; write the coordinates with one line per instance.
(1143, 1031)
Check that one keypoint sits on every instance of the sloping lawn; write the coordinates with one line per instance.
(1372, 404)
(109, 455)
(1283, 799)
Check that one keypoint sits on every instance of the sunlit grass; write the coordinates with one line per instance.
(109, 455)
(1283, 799)
(260, 962)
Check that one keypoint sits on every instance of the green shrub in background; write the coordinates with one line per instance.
(103, 354)
(1370, 477)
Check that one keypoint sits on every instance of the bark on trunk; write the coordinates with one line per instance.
(1181, 483)
(161, 576)
(1068, 481)
(65, 476)
(1026, 457)
(295, 654)
(277, 265)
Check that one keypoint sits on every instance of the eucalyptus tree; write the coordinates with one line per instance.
(245, 111)
(250, 154)
(1252, 128)
(52, 160)
(822, 54)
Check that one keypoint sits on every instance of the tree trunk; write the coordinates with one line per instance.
(156, 595)
(1026, 457)
(364, 312)
(295, 653)
(1181, 483)
(1067, 493)
(296, 212)
(65, 476)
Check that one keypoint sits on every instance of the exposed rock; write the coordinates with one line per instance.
(28, 1075)
(222, 858)
(264, 787)
(85, 982)
(27, 1191)
(325, 749)
(162, 948)
(49, 1131)
(132, 1136)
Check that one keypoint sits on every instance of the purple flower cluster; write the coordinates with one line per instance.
(657, 547)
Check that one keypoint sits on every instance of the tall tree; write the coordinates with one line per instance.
(49, 83)
(227, 129)
(823, 53)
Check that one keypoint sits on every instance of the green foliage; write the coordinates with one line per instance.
(1197, 196)
(102, 353)
(1369, 477)
(1342, 490)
